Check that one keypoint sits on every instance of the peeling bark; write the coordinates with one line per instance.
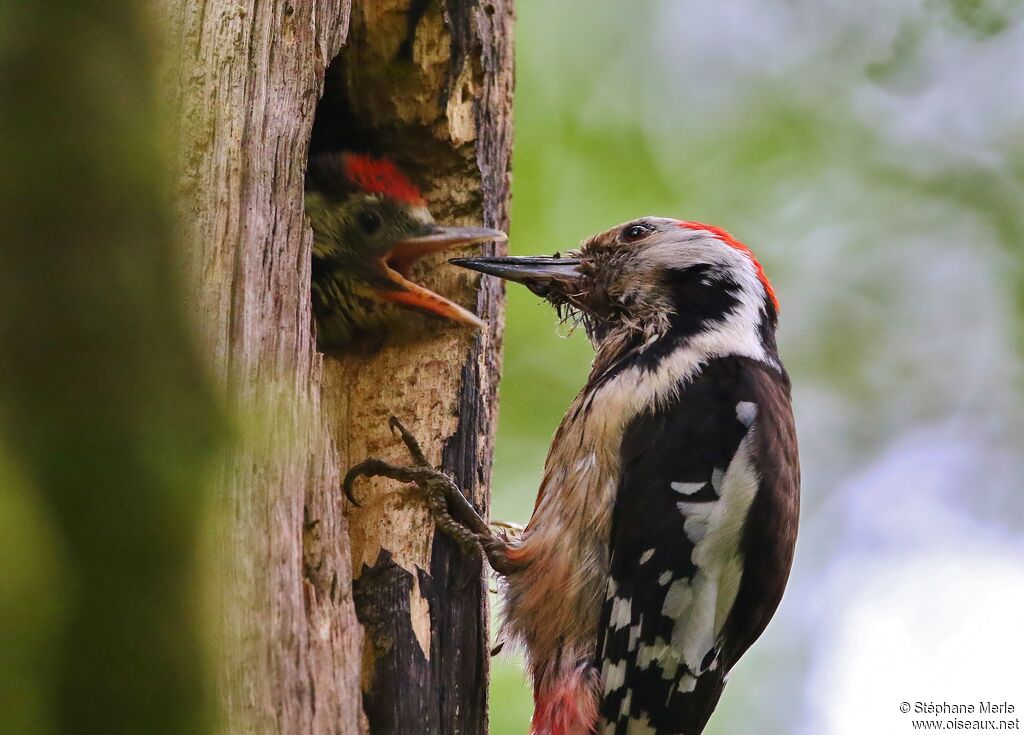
(434, 93)
(429, 84)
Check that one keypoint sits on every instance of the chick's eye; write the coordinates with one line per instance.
(369, 221)
(635, 232)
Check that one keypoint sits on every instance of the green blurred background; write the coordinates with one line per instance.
(872, 154)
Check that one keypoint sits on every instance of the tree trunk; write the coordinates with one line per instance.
(428, 84)
(107, 425)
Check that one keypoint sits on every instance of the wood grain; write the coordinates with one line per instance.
(247, 76)
(434, 94)
(429, 84)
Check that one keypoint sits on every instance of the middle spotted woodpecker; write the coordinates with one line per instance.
(664, 529)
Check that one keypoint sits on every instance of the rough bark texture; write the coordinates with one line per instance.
(428, 84)
(248, 76)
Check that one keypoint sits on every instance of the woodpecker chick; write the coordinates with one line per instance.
(663, 532)
(370, 226)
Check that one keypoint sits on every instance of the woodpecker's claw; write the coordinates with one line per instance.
(366, 468)
(453, 514)
(350, 478)
(379, 468)
(410, 442)
(438, 488)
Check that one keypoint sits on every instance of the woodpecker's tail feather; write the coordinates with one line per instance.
(685, 713)
(705, 699)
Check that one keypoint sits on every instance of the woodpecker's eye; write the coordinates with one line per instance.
(635, 232)
(369, 221)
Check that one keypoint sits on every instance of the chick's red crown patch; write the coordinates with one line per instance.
(380, 176)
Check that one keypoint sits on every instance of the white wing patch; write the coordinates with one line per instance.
(626, 700)
(698, 519)
(634, 634)
(614, 676)
(687, 488)
(746, 412)
(613, 588)
(652, 652)
(622, 612)
(717, 477)
(640, 725)
(678, 599)
(701, 605)
(687, 683)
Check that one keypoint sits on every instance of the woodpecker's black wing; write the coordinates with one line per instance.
(701, 543)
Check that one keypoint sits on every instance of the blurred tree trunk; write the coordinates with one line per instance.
(108, 421)
(429, 84)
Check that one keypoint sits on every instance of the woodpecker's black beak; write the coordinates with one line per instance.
(546, 277)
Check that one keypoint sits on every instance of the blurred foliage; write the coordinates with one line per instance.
(106, 421)
(870, 154)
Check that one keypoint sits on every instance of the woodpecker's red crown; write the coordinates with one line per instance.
(731, 241)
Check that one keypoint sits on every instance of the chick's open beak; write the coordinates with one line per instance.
(543, 276)
(398, 261)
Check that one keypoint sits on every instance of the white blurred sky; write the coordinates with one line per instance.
(909, 583)
(920, 599)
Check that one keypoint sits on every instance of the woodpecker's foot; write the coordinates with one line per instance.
(453, 514)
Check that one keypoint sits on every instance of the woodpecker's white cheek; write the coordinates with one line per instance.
(646, 556)
(738, 333)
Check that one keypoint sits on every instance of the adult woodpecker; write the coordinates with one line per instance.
(663, 532)
(370, 225)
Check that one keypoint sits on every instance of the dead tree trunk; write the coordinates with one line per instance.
(427, 83)
(430, 85)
